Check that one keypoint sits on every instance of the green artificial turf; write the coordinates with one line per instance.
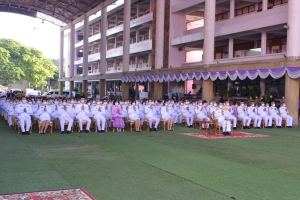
(153, 165)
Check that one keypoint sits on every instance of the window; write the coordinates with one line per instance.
(56, 93)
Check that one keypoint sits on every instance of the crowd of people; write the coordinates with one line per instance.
(116, 113)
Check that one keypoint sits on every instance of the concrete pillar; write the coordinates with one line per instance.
(264, 5)
(207, 90)
(136, 61)
(229, 83)
(150, 32)
(136, 90)
(262, 84)
(137, 36)
(159, 38)
(230, 48)
(158, 90)
(61, 87)
(102, 87)
(117, 20)
(125, 90)
(84, 87)
(263, 43)
(209, 32)
(292, 97)
(126, 35)
(61, 55)
(150, 59)
(151, 5)
(232, 7)
(293, 40)
(72, 49)
(71, 87)
(138, 10)
(85, 46)
(103, 40)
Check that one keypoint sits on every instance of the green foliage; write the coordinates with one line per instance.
(76, 89)
(80, 92)
(229, 93)
(55, 87)
(95, 92)
(255, 90)
(266, 98)
(19, 63)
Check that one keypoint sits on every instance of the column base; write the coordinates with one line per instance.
(71, 88)
(102, 86)
(292, 97)
(158, 91)
(125, 90)
(208, 90)
(84, 88)
(61, 88)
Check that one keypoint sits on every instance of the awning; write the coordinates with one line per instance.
(276, 73)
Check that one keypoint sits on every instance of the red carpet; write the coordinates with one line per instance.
(234, 135)
(70, 194)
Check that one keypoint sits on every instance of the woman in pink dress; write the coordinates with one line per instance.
(116, 116)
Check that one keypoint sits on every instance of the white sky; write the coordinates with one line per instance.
(31, 32)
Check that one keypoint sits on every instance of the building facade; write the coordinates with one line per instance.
(163, 46)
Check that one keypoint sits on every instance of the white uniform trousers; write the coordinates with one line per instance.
(226, 125)
(100, 119)
(84, 118)
(150, 118)
(174, 115)
(233, 118)
(141, 116)
(277, 118)
(189, 118)
(268, 120)
(27, 119)
(245, 118)
(289, 120)
(257, 120)
(62, 123)
(9, 120)
(201, 117)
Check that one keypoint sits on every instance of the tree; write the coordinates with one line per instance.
(19, 63)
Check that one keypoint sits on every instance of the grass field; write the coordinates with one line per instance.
(153, 165)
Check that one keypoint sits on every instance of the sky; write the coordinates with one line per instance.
(31, 32)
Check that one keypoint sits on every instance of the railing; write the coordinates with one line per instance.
(111, 47)
(120, 44)
(244, 10)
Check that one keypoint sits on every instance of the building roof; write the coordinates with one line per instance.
(63, 10)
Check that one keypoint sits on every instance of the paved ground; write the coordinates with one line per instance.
(153, 165)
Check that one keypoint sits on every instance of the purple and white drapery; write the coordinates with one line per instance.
(276, 73)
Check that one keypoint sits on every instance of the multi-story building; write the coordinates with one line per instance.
(167, 46)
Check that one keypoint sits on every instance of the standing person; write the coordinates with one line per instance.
(24, 111)
(116, 116)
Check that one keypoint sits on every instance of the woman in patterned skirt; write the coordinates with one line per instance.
(116, 116)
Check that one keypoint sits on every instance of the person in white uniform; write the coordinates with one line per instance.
(150, 115)
(263, 111)
(24, 111)
(98, 111)
(132, 114)
(44, 116)
(81, 111)
(219, 115)
(228, 113)
(172, 111)
(200, 112)
(274, 114)
(284, 113)
(65, 116)
(186, 113)
(253, 114)
(54, 113)
(166, 116)
(241, 110)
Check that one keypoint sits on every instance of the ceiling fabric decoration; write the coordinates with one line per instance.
(63, 10)
(276, 73)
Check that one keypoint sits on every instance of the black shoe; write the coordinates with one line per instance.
(244, 127)
(23, 133)
(99, 131)
(228, 133)
(81, 131)
(68, 132)
(154, 129)
(224, 133)
(102, 131)
(27, 132)
(234, 128)
(62, 132)
(150, 129)
(87, 131)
